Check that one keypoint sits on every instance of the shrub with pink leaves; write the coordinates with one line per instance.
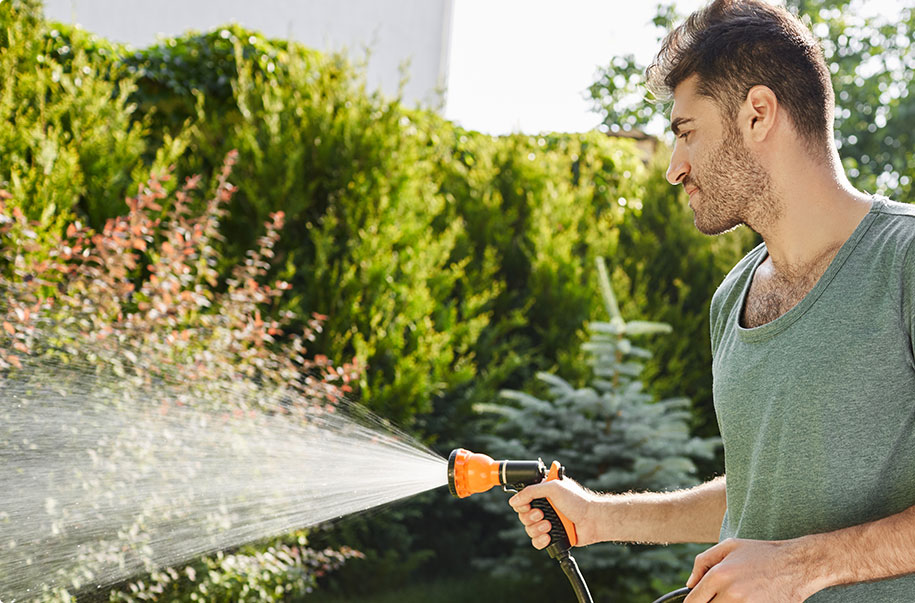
(140, 304)
(144, 294)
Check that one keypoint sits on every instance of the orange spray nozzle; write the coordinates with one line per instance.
(471, 473)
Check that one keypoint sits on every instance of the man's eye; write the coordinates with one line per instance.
(683, 135)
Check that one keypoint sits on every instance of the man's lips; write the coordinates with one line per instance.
(690, 190)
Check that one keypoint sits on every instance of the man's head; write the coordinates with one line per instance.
(732, 46)
(726, 183)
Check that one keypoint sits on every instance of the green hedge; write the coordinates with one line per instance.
(75, 147)
(450, 263)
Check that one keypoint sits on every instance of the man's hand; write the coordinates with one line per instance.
(751, 571)
(569, 498)
(692, 515)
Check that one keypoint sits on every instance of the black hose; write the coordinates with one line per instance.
(570, 569)
(677, 595)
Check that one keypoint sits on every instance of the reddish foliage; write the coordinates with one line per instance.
(147, 285)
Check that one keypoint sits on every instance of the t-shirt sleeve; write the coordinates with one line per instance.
(715, 320)
(908, 295)
(728, 294)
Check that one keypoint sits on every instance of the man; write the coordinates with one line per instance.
(814, 377)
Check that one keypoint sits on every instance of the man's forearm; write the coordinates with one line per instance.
(692, 515)
(871, 551)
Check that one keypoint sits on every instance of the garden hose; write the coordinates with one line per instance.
(677, 595)
(471, 473)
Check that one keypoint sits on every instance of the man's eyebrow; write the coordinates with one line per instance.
(675, 124)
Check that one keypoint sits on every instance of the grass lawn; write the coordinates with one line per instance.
(480, 589)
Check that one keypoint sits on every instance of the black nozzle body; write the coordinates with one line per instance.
(516, 475)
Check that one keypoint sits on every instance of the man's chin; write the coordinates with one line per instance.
(713, 227)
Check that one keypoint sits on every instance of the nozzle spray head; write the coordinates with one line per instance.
(470, 473)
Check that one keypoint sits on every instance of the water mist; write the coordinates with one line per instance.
(103, 477)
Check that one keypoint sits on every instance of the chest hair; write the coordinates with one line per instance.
(772, 293)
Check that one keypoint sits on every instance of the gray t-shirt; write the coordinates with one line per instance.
(817, 408)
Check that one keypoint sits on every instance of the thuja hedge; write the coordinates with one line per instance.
(451, 263)
(70, 143)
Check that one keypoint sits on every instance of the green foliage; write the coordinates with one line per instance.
(392, 565)
(872, 69)
(614, 437)
(348, 170)
(619, 95)
(281, 570)
(74, 147)
(172, 74)
(455, 588)
(533, 209)
(435, 253)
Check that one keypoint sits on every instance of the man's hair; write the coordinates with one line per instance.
(733, 45)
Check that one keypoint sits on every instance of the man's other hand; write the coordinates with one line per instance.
(756, 571)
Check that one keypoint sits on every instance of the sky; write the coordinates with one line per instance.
(526, 65)
(514, 65)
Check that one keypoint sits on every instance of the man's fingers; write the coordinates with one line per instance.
(703, 592)
(537, 529)
(709, 559)
(521, 501)
(530, 517)
(565, 495)
(541, 542)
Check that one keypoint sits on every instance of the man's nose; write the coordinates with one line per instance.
(679, 167)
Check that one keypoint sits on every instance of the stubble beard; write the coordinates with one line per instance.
(734, 189)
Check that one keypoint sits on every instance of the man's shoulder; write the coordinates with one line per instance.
(733, 283)
(894, 230)
(895, 208)
(730, 291)
(894, 244)
(900, 217)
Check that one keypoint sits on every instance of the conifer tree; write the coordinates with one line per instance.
(612, 436)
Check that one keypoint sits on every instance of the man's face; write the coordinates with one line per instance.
(726, 184)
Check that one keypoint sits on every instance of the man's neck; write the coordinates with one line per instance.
(817, 212)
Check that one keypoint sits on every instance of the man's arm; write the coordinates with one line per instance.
(793, 570)
(692, 515)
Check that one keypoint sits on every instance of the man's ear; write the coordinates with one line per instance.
(760, 111)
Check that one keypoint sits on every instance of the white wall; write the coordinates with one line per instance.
(394, 31)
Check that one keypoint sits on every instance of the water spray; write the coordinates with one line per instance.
(472, 473)
(106, 477)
